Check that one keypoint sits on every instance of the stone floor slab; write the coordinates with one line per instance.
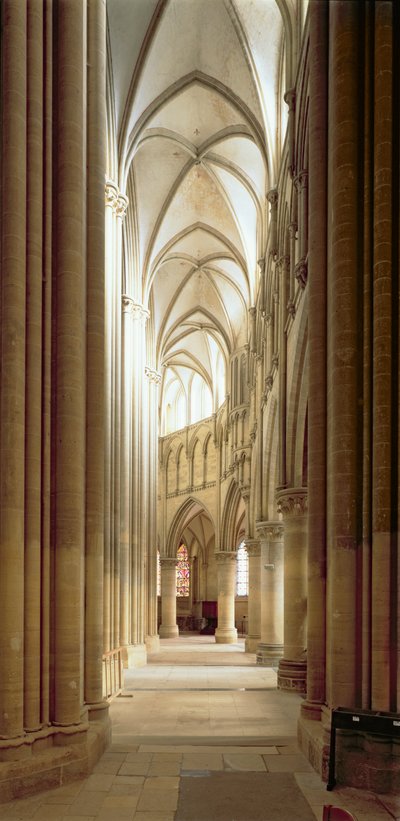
(161, 783)
(242, 796)
(288, 764)
(202, 761)
(158, 801)
(164, 768)
(242, 761)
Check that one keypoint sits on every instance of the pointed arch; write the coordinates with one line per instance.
(190, 508)
(231, 517)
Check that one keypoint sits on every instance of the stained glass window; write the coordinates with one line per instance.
(158, 574)
(182, 572)
(242, 571)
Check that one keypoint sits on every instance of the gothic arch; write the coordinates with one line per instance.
(180, 521)
(297, 407)
(231, 517)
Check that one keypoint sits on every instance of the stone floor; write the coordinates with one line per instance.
(195, 708)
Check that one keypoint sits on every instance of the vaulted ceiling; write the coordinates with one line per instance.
(198, 118)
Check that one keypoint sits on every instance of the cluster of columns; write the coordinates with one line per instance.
(130, 615)
(52, 374)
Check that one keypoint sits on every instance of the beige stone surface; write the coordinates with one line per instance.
(165, 800)
(244, 761)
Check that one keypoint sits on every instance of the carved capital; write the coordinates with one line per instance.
(224, 557)
(270, 531)
(301, 181)
(115, 200)
(111, 194)
(290, 98)
(121, 206)
(152, 375)
(253, 312)
(272, 197)
(253, 547)
(283, 263)
(301, 272)
(292, 228)
(261, 264)
(167, 561)
(291, 309)
(292, 501)
(137, 311)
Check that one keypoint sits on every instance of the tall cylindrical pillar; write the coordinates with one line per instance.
(111, 200)
(344, 410)
(33, 383)
(168, 627)
(270, 649)
(253, 637)
(152, 638)
(317, 295)
(292, 503)
(384, 555)
(226, 632)
(46, 346)
(69, 363)
(12, 371)
(95, 399)
(125, 509)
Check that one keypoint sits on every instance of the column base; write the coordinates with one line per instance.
(311, 710)
(314, 743)
(170, 631)
(153, 644)
(52, 757)
(134, 655)
(292, 675)
(226, 635)
(251, 644)
(269, 655)
(363, 761)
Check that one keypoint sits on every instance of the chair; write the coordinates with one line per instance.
(337, 814)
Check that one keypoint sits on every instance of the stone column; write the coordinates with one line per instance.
(270, 649)
(96, 161)
(125, 509)
(384, 441)
(12, 372)
(168, 627)
(139, 318)
(253, 637)
(120, 208)
(226, 632)
(344, 410)
(152, 637)
(272, 198)
(33, 384)
(292, 231)
(47, 351)
(111, 198)
(292, 503)
(69, 363)
(290, 99)
(317, 295)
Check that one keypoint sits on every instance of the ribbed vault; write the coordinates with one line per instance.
(198, 127)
